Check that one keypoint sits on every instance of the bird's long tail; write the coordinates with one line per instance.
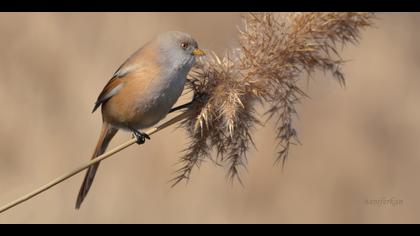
(107, 133)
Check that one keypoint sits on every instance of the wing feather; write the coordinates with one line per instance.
(116, 83)
(111, 88)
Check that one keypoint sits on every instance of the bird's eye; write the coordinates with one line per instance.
(184, 45)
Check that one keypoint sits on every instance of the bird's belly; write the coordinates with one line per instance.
(155, 106)
(142, 105)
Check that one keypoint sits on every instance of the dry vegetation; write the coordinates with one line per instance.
(274, 54)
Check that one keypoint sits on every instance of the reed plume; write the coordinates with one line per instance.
(274, 53)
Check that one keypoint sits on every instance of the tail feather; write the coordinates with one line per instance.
(107, 133)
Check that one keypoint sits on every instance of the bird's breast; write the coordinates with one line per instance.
(163, 92)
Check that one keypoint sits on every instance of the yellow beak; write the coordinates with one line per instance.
(198, 52)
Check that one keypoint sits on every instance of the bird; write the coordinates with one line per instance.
(142, 91)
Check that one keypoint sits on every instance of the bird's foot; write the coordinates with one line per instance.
(140, 136)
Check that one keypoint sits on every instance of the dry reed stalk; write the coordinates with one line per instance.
(274, 54)
(102, 157)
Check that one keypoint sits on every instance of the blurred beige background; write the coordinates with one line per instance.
(359, 143)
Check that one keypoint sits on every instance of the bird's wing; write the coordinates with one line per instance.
(116, 83)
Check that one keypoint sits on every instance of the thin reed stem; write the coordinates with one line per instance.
(274, 53)
(102, 157)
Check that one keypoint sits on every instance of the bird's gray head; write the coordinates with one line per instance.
(178, 49)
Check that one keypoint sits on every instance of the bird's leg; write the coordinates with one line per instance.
(196, 97)
(186, 105)
(140, 136)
